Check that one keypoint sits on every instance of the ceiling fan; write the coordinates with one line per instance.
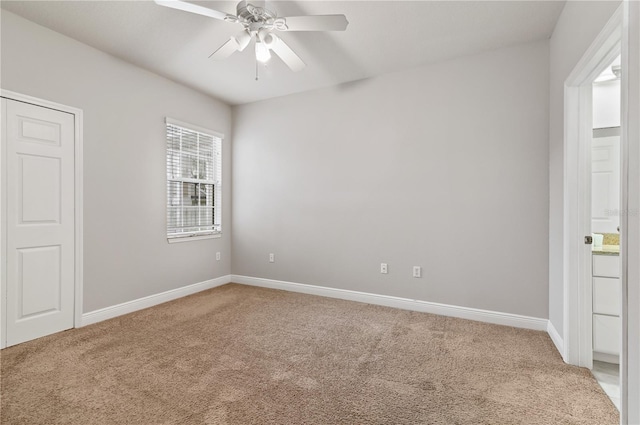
(259, 24)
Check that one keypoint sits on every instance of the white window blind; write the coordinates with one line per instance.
(194, 174)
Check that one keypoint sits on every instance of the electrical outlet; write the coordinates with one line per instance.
(217, 256)
(383, 268)
(417, 271)
(272, 258)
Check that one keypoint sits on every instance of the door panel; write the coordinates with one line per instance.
(39, 131)
(38, 285)
(38, 189)
(40, 222)
(605, 184)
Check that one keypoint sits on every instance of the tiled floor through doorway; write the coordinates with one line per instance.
(608, 376)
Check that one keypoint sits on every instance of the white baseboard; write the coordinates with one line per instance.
(487, 316)
(556, 338)
(607, 358)
(146, 302)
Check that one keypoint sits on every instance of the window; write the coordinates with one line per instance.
(194, 174)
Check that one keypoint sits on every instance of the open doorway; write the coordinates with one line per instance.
(605, 227)
(620, 36)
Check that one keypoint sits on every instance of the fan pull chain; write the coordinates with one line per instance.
(256, 69)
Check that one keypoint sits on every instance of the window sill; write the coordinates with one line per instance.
(177, 239)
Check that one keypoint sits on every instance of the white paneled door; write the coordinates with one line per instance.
(605, 184)
(40, 257)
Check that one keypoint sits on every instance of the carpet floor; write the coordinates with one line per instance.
(244, 355)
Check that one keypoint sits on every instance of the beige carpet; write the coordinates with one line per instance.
(243, 355)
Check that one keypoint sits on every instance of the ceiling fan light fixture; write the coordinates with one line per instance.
(262, 52)
(267, 38)
(243, 39)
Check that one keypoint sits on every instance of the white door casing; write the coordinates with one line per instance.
(624, 28)
(578, 123)
(605, 184)
(630, 239)
(40, 221)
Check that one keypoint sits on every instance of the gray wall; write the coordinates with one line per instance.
(126, 252)
(578, 26)
(440, 166)
(444, 166)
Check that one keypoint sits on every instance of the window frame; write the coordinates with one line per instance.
(218, 139)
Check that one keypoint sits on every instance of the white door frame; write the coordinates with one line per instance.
(78, 210)
(630, 220)
(620, 34)
(578, 130)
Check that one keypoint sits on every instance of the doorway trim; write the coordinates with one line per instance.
(630, 220)
(578, 130)
(577, 199)
(78, 208)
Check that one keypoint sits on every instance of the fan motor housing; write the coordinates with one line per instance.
(254, 11)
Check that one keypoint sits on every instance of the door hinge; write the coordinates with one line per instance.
(588, 240)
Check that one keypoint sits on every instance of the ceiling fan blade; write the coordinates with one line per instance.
(287, 55)
(315, 23)
(226, 50)
(194, 8)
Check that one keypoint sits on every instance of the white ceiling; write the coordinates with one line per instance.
(382, 37)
